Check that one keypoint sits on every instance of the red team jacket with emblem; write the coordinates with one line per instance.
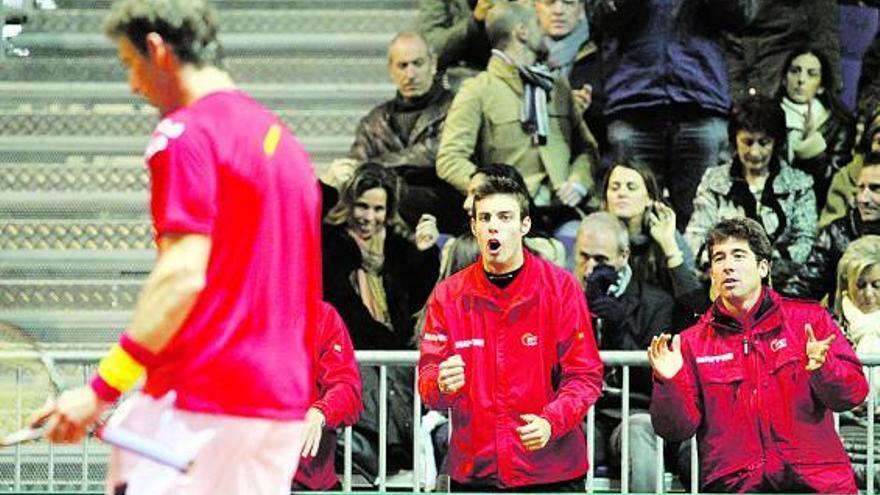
(745, 392)
(527, 349)
(338, 396)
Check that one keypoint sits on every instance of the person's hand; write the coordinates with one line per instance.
(665, 362)
(808, 120)
(661, 224)
(339, 172)
(482, 8)
(816, 349)
(68, 419)
(535, 433)
(608, 308)
(582, 98)
(451, 376)
(426, 232)
(570, 193)
(314, 428)
(600, 281)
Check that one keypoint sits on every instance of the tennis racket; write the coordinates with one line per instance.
(29, 378)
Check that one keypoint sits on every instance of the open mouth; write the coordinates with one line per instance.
(729, 282)
(494, 246)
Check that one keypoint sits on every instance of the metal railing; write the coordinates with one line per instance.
(51, 462)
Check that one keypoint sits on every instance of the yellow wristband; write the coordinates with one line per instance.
(119, 370)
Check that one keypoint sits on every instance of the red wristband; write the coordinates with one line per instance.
(136, 350)
(103, 390)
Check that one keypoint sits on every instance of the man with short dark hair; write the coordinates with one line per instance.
(222, 325)
(508, 346)
(757, 379)
(517, 113)
(816, 277)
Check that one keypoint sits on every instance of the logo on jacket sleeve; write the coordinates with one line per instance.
(778, 344)
(529, 339)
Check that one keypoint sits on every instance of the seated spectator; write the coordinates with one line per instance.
(821, 133)
(843, 185)
(666, 88)
(516, 113)
(756, 54)
(378, 278)
(337, 403)
(857, 304)
(757, 380)
(857, 309)
(403, 133)
(626, 313)
(659, 255)
(456, 30)
(573, 55)
(814, 279)
(759, 185)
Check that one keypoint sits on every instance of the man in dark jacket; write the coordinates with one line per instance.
(404, 133)
(757, 379)
(756, 54)
(626, 315)
(816, 278)
(666, 86)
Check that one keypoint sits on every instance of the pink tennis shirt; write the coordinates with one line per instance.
(228, 168)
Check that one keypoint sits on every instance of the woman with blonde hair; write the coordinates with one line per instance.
(857, 302)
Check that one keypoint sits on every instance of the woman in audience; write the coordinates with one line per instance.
(759, 185)
(377, 276)
(375, 273)
(857, 309)
(821, 133)
(659, 255)
(857, 303)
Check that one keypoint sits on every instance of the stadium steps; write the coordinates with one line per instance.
(357, 20)
(351, 71)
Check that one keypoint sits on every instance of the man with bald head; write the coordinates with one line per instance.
(518, 113)
(403, 133)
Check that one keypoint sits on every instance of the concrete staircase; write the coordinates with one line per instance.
(75, 237)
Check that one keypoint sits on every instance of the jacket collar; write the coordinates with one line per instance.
(764, 317)
(521, 289)
(507, 73)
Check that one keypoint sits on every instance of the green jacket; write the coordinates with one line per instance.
(842, 190)
(483, 127)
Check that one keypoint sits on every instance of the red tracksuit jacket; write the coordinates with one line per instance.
(745, 392)
(528, 349)
(339, 397)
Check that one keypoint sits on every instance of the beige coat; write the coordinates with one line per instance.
(483, 127)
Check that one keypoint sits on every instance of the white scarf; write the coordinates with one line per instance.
(796, 117)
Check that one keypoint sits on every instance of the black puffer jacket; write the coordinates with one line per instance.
(817, 276)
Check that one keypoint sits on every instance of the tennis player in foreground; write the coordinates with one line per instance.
(220, 328)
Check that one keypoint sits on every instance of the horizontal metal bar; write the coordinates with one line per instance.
(387, 358)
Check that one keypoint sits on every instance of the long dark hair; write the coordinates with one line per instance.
(829, 83)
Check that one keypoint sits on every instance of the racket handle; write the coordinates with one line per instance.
(145, 447)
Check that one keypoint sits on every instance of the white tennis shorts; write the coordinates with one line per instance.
(231, 454)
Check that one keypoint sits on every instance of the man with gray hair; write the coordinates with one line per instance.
(626, 315)
(518, 113)
(403, 134)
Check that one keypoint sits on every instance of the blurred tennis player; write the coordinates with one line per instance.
(221, 325)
